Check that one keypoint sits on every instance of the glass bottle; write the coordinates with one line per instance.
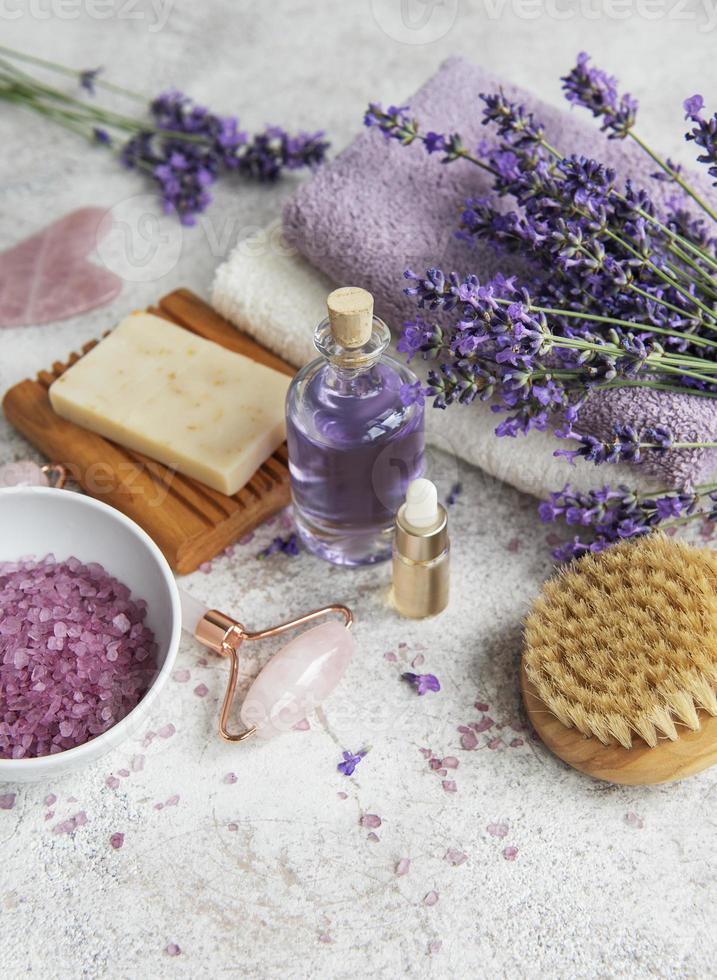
(354, 446)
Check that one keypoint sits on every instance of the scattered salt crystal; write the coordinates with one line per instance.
(181, 676)
(435, 946)
(450, 762)
(449, 785)
(370, 820)
(173, 800)
(117, 840)
(7, 801)
(201, 690)
(342, 796)
(231, 777)
(71, 824)
(510, 853)
(171, 949)
(124, 773)
(431, 898)
(403, 866)
(455, 857)
(468, 741)
(302, 726)
(418, 660)
(232, 826)
(137, 763)
(112, 781)
(374, 838)
(166, 731)
(50, 799)
(497, 829)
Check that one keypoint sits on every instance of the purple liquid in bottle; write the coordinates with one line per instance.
(353, 449)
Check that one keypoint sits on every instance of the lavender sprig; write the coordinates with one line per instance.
(614, 514)
(597, 91)
(182, 146)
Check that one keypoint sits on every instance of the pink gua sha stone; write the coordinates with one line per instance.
(47, 277)
(298, 678)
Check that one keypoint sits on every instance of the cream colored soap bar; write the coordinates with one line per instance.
(196, 407)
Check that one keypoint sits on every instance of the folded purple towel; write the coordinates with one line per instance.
(379, 208)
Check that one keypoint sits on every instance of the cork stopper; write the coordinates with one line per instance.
(351, 315)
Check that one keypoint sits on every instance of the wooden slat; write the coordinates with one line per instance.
(190, 522)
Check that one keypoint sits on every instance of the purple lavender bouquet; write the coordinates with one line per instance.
(182, 147)
(617, 294)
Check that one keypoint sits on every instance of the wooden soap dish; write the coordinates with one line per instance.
(190, 522)
(637, 766)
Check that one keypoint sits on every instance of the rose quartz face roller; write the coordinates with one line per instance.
(296, 679)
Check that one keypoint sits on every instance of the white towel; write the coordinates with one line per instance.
(270, 291)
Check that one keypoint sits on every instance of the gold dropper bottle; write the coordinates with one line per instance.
(421, 550)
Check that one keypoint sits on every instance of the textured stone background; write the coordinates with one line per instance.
(271, 874)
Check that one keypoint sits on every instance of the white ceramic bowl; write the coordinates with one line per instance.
(38, 520)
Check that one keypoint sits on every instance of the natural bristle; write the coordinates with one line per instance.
(624, 642)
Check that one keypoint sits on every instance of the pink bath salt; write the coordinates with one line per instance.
(7, 801)
(390, 656)
(484, 725)
(495, 743)
(112, 781)
(450, 762)
(49, 815)
(449, 785)
(434, 764)
(435, 946)
(171, 949)
(468, 741)
(455, 857)
(342, 796)
(173, 800)
(302, 726)
(166, 731)
(233, 826)
(76, 654)
(325, 938)
(124, 773)
(205, 567)
(50, 799)
(510, 853)
(159, 806)
(137, 763)
(370, 820)
(431, 898)
(181, 676)
(403, 866)
(515, 743)
(231, 778)
(497, 829)
(201, 690)
(374, 838)
(117, 840)
(418, 660)
(71, 824)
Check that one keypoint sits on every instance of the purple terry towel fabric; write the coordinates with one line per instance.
(379, 208)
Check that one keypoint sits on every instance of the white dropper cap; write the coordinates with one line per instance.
(421, 503)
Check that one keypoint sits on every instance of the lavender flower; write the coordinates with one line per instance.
(625, 447)
(411, 394)
(704, 133)
(613, 514)
(350, 762)
(88, 79)
(284, 546)
(597, 91)
(422, 682)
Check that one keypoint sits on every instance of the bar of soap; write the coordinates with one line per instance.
(187, 402)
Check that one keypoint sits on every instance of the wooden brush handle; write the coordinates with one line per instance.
(638, 766)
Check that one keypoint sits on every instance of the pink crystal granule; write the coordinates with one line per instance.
(75, 654)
